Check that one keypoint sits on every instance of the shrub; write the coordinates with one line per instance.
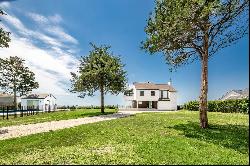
(227, 106)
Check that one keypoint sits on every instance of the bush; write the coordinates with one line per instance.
(227, 106)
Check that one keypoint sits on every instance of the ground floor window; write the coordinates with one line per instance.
(32, 103)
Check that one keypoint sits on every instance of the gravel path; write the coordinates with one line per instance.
(22, 130)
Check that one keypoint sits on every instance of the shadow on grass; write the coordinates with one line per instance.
(230, 136)
(90, 114)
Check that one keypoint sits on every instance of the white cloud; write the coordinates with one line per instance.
(5, 5)
(55, 18)
(38, 18)
(47, 56)
(59, 32)
(49, 70)
(50, 25)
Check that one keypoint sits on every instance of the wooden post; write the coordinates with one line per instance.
(21, 111)
(7, 112)
(3, 111)
(15, 110)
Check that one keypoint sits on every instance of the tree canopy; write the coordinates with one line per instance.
(186, 30)
(15, 77)
(100, 70)
(4, 35)
(177, 28)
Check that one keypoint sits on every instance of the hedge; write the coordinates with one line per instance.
(227, 106)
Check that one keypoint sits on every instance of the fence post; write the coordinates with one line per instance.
(3, 111)
(7, 112)
(21, 113)
(15, 110)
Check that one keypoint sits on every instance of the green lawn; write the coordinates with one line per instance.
(148, 138)
(58, 115)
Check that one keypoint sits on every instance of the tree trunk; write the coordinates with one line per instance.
(102, 99)
(14, 90)
(204, 86)
(15, 100)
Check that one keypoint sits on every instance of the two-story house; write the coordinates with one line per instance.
(153, 96)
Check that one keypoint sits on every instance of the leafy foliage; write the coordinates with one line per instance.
(188, 30)
(4, 36)
(15, 77)
(178, 28)
(100, 70)
(227, 106)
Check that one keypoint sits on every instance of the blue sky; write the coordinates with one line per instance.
(52, 35)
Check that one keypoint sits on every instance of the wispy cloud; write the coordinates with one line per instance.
(4, 5)
(59, 33)
(47, 54)
(40, 19)
(50, 24)
(56, 18)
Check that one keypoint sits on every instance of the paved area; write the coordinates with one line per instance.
(23, 130)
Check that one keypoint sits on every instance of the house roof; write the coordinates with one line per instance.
(238, 94)
(6, 99)
(37, 96)
(150, 85)
(4, 94)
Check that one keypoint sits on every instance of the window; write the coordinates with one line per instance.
(152, 93)
(164, 94)
(141, 93)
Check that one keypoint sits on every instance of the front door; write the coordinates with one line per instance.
(150, 104)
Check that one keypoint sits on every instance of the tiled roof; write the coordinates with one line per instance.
(237, 94)
(154, 86)
(36, 96)
(6, 100)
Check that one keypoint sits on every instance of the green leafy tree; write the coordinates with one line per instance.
(100, 70)
(4, 36)
(186, 30)
(15, 78)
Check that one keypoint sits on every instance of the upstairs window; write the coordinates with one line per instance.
(164, 94)
(141, 93)
(152, 93)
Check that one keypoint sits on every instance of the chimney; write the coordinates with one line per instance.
(170, 82)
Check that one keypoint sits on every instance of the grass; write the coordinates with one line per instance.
(52, 116)
(148, 138)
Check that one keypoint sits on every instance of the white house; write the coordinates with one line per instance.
(153, 96)
(43, 102)
(8, 100)
(236, 94)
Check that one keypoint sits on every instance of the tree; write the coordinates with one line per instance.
(15, 78)
(188, 30)
(4, 36)
(100, 70)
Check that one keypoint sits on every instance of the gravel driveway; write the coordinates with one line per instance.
(22, 130)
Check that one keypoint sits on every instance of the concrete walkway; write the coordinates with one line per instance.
(23, 130)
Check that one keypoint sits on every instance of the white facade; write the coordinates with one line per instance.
(47, 103)
(169, 105)
(149, 95)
